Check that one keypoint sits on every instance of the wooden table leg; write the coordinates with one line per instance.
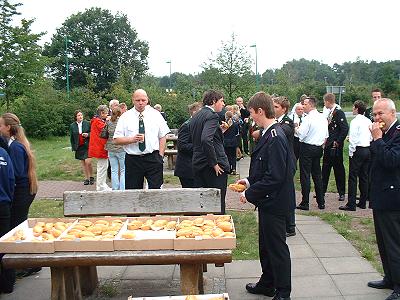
(190, 274)
(88, 279)
(200, 282)
(65, 284)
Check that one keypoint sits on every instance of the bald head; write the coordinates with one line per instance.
(140, 99)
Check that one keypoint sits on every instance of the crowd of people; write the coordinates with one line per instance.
(209, 144)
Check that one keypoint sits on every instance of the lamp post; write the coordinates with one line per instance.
(170, 86)
(66, 63)
(257, 82)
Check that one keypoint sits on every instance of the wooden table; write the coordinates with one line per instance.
(171, 152)
(74, 274)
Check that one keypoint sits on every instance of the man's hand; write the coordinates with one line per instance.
(138, 138)
(242, 198)
(218, 170)
(376, 131)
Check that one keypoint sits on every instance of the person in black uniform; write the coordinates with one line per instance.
(333, 151)
(385, 193)
(183, 166)
(270, 187)
(281, 107)
(210, 163)
(376, 94)
(244, 115)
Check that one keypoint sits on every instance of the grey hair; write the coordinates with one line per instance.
(113, 102)
(102, 108)
(390, 103)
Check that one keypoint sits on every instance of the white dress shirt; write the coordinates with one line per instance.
(155, 128)
(79, 127)
(359, 134)
(296, 120)
(313, 129)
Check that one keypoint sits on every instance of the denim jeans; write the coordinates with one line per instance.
(117, 161)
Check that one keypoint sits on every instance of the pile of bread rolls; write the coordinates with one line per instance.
(86, 230)
(221, 227)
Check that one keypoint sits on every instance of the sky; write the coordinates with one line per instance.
(188, 33)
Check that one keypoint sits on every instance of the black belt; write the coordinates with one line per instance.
(143, 155)
(361, 147)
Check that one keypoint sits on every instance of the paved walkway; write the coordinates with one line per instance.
(324, 266)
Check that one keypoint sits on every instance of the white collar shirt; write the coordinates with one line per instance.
(79, 127)
(155, 129)
(359, 133)
(313, 129)
(296, 121)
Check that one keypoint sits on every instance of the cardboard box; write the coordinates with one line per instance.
(85, 245)
(147, 239)
(200, 243)
(224, 296)
(30, 244)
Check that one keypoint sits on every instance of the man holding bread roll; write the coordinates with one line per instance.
(385, 192)
(270, 188)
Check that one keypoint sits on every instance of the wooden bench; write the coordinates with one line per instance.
(74, 274)
(171, 156)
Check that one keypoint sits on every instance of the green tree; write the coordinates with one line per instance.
(102, 45)
(21, 63)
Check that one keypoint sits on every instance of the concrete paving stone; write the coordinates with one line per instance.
(383, 295)
(29, 288)
(42, 274)
(310, 222)
(315, 228)
(335, 250)
(309, 266)
(345, 265)
(300, 251)
(296, 240)
(306, 218)
(314, 286)
(323, 238)
(149, 288)
(318, 298)
(149, 272)
(236, 289)
(356, 284)
(111, 271)
(243, 269)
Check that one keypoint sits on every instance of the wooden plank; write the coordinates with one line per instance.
(88, 279)
(190, 279)
(65, 283)
(117, 258)
(142, 202)
(57, 283)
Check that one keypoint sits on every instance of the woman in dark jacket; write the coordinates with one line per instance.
(79, 132)
(231, 131)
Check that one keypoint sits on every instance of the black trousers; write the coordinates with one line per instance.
(358, 168)
(7, 276)
(310, 157)
(207, 178)
(187, 182)
(274, 253)
(296, 147)
(291, 221)
(231, 154)
(245, 138)
(20, 205)
(387, 228)
(138, 167)
(334, 158)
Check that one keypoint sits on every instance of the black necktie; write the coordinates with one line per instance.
(299, 120)
(142, 145)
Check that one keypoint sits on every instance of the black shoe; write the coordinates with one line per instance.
(348, 208)
(394, 296)
(380, 284)
(362, 206)
(91, 180)
(290, 233)
(303, 207)
(255, 288)
(341, 198)
(278, 297)
(321, 206)
(86, 182)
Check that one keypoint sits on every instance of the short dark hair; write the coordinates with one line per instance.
(361, 107)
(211, 96)
(312, 100)
(378, 90)
(76, 113)
(264, 101)
(283, 101)
(330, 98)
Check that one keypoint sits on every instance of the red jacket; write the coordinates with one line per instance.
(96, 143)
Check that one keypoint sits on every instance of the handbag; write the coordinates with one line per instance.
(104, 132)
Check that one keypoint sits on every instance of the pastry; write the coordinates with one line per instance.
(237, 187)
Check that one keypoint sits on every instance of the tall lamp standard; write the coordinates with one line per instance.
(66, 63)
(257, 79)
(170, 86)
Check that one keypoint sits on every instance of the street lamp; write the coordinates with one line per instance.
(66, 63)
(257, 83)
(170, 87)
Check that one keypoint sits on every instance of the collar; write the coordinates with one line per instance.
(11, 139)
(280, 118)
(266, 129)
(391, 125)
(210, 107)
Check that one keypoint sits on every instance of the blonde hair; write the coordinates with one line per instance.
(18, 132)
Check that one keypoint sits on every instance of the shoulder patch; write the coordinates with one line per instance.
(287, 122)
(273, 133)
(398, 127)
(341, 120)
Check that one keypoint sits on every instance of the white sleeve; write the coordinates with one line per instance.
(353, 137)
(303, 129)
(163, 128)
(119, 129)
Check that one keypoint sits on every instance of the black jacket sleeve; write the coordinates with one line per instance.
(184, 142)
(341, 122)
(210, 127)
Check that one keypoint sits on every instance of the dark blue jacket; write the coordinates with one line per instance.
(183, 166)
(7, 180)
(230, 135)
(271, 174)
(385, 171)
(19, 159)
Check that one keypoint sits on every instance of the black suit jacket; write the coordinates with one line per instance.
(208, 141)
(183, 167)
(338, 128)
(288, 128)
(271, 173)
(74, 134)
(385, 171)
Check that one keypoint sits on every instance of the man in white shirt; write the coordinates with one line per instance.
(142, 130)
(312, 133)
(360, 156)
(297, 118)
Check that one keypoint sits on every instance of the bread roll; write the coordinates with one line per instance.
(237, 187)
(198, 222)
(225, 226)
(37, 230)
(170, 225)
(128, 235)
